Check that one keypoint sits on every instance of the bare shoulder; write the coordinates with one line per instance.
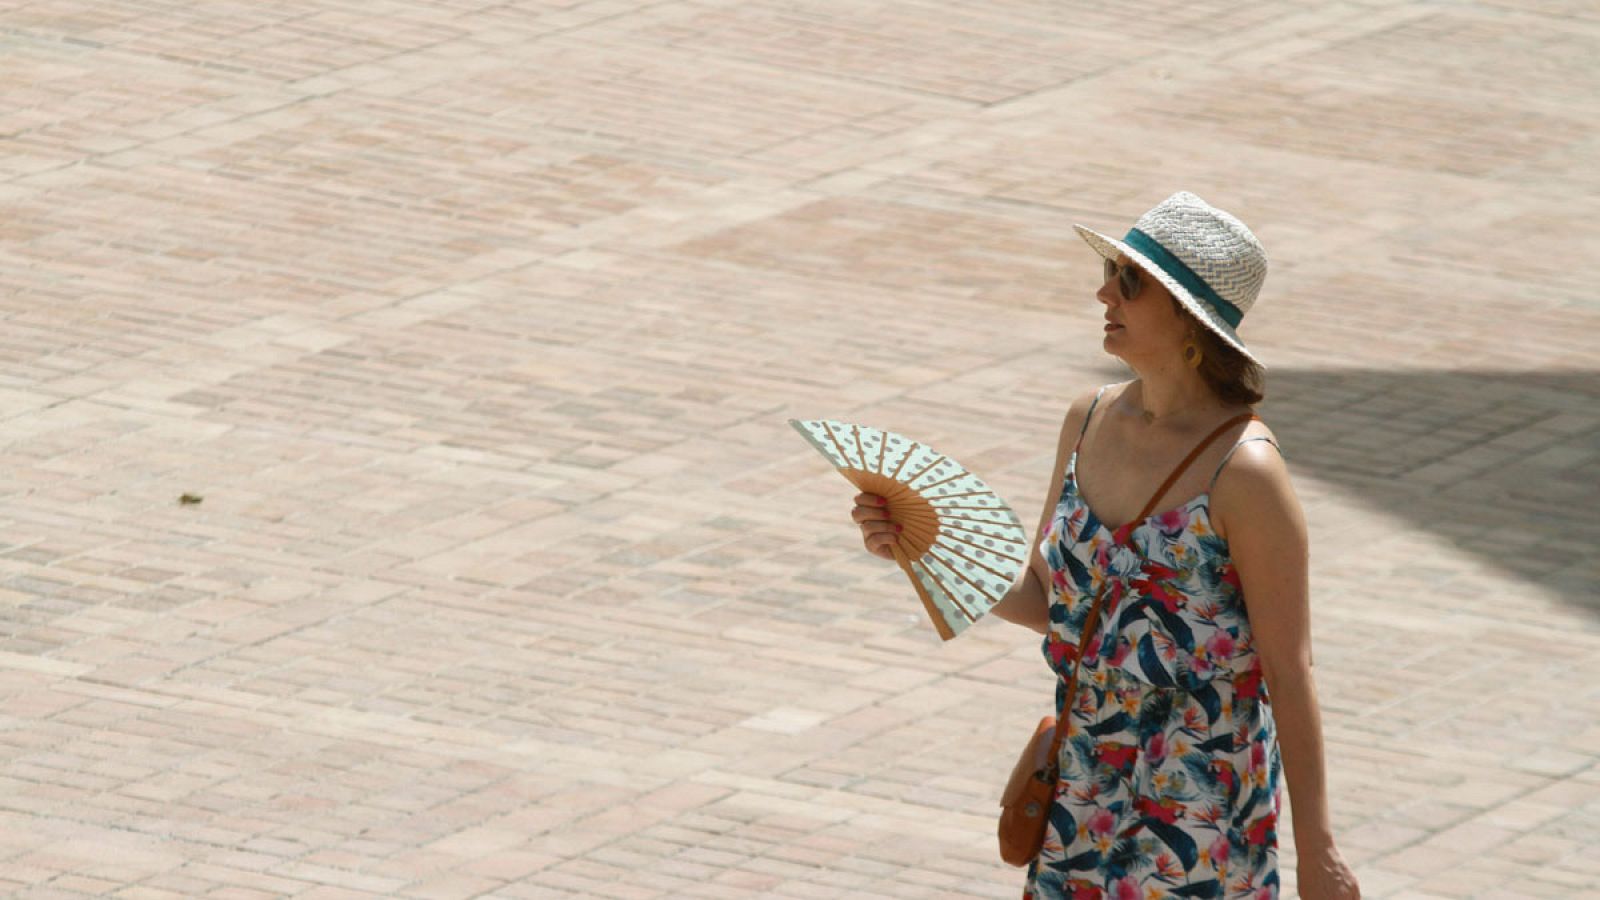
(1071, 426)
(1254, 486)
(1078, 411)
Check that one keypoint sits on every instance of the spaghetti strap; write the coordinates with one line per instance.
(1084, 430)
(1229, 454)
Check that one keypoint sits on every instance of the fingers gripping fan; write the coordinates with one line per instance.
(962, 546)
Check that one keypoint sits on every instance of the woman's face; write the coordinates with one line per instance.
(1152, 332)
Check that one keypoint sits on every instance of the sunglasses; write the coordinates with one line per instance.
(1129, 278)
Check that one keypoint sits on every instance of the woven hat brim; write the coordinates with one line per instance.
(1109, 247)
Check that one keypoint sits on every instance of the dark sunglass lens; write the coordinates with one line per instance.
(1111, 269)
(1129, 283)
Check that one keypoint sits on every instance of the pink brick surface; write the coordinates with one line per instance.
(476, 326)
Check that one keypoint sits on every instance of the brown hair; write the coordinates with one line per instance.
(1232, 376)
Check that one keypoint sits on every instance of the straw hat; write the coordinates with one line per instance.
(1207, 258)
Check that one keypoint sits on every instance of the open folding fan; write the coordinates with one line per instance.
(962, 546)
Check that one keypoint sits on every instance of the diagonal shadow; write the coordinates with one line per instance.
(1505, 465)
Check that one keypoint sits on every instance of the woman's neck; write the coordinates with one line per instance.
(1169, 401)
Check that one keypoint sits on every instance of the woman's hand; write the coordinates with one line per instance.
(878, 531)
(1321, 874)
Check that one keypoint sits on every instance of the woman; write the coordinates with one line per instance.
(1170, 764)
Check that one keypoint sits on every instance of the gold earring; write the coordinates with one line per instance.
(1194, 362)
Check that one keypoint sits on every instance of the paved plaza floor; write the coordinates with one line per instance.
(471, 330)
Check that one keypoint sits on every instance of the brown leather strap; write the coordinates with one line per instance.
(1150, 506)
(1090, 623)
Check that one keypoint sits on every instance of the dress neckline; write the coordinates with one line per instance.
(1072, 479)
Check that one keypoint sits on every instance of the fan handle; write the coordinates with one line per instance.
(920, 520)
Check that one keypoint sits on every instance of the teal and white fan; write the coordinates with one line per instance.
(962, 546)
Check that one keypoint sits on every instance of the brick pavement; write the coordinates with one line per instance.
(476, 325)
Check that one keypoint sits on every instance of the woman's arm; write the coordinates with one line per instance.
(1027, 603)
(1267, 540)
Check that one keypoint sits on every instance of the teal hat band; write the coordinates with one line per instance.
(1185, 276)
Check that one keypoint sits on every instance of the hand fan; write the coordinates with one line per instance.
(962, 546)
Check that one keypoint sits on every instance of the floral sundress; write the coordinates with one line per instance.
(1170, 766)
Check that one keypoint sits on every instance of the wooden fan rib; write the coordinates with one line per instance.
(861, 455)
(1005, 556)
(920, 537)
(941, 554)
(973, 584)
(909, 499)
(913, 513)
(992, 571)
(979, 521)
(923, 489)
(966, 494)
(927, 467)
(975, 541)
(902, 463)
(962, 506)
(949, 594)
(947, 524)
(836, 445)
(935, 614)
(919, 516)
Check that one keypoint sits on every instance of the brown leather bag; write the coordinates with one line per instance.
(1029, 793)
(1025, 805)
